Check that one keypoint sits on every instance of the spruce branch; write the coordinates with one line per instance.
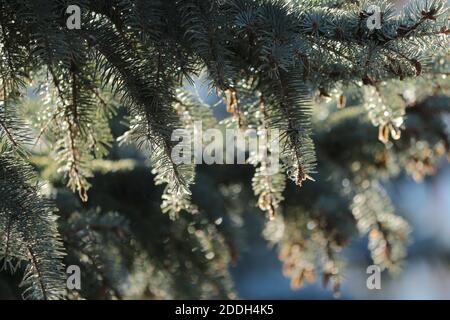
(40, 246)
(289, 112)
(149, 95)
(268, 186)
(276, 61)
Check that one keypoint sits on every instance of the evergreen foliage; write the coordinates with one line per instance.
(354, 106)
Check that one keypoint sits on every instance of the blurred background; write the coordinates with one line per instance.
(426, 273)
